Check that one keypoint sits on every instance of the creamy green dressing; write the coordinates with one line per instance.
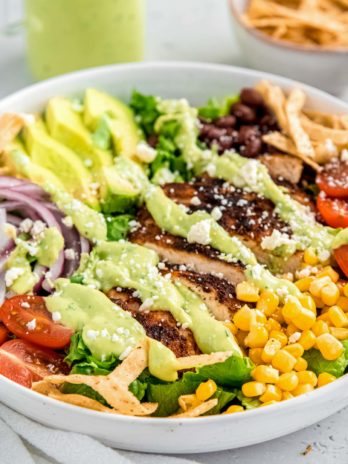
(127, 265)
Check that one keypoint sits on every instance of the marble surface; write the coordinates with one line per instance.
(198, 30)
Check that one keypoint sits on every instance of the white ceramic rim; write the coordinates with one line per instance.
(307, 49)
(281, 407)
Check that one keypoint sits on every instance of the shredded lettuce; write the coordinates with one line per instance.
(214, 108)
(145, 109)
(318, 364)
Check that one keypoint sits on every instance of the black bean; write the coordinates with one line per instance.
(226, 142)
(205, 129)
(226, 121)
(243, 113)
(252, 147)
(247, 133)
(251, 97)
(215, 133)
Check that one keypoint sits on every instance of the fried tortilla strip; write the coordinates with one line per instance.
(284, 144)
(10, 126)
(293, 107)
(197, 410)
(114, 387)
(321, 133)
(324, 119)
(275, 99)
(344, 121)
(189, 362)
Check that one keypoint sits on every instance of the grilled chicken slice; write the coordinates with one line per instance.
(217, 293)
(159, 325)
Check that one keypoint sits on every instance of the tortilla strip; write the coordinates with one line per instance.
(197, 410)
(293, 107)
(325, 119)
(198, 360)
(275, 99)
(321, 133)
(10, 126)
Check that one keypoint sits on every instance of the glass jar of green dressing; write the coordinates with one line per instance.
(66, 35)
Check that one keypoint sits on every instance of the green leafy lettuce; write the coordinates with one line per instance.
(145, 109)
(318, 364)
(214, 108)
(118, 226)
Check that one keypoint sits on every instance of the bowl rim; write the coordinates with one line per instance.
(314, 396)
(306, 49)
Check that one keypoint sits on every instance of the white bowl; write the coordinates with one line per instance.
(325, 69)
(197, 82)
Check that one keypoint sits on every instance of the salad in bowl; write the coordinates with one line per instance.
(160, 259)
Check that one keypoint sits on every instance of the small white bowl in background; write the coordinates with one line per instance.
(326, 69)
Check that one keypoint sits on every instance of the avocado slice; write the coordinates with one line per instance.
(123, 128)
(60, 160)
(118, 194)
(66, 126)
(23, 166)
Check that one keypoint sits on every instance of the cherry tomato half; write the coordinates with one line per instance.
(341, 256)
(333, 179)
(334, 211)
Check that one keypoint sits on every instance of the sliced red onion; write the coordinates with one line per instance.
(4, 239)
(2, 287)
(85, 245)
(22, 186)
(39, 271)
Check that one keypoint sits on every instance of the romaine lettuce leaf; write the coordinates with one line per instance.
(317, 363)
(214, 108)
(145, 109)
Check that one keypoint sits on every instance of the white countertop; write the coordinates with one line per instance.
(200, 30)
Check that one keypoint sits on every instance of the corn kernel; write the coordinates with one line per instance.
(206, 390)
(244, 318)
(283, 361)
(272, 324)
(317, 285)
(320, 327)
(272, 393)
(318, 302)
(296, 349)
(310, 257)
(257, 337)
(305, 319)
(231, 327)
(287, 396)
(302, 388)
(251, 389)
(307, 377)
(234, 408)
(269, 350)
(345, 290)
(291, 330)
(188, 401)
(278, 335)
(330, 272)
(265, 374)
(329, 346)
(260, 317)
(307, 339)
(268, 302)
(324, 378)
(330, 294)
(278, 316)
(342, 302)
(246, 291)
(307, 301)
(304, 283)
(301, 365)
(255, 355)
(240, 337)
(339, 332)
(338, 317)
(291, 309)
(269, 403)
(324, 316)
(288, 381)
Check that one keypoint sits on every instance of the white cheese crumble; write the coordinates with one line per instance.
(275, 240)
(195, 201)
(211, 169)
(38, 228)
(92, 334)
(26, 225)
(69, 254)
(323, 255)
(25, 305)
(31, 325)
(216, 213)
(12, 275)
(56, 316)
(200, 232)
(330, 147)
(144, 152)
(67, 221)
(344, 155)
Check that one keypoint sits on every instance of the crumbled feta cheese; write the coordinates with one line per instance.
(200, 232)
(344, 155)
(69, 254)
(323, 255)
(216, 213)
(144, 152)
(211, 169)
(92, 334)
(26, 225)
(31, 325)
(67, 221)
(12, 274)
(275, 240)
(195, 201)
(25, 305)
(147, 303)
(56, 316)
(330, 147)
(38, 228)
(161, 265)
(104, 333)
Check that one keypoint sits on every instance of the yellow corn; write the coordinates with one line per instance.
(345, 290)
(304, 283)
(320, 327)
(260, 317)
(307, 377)
(278, 316)
(272, 393)
(317, 285)
(272, 324)
(231, 327)
(278, 335)
(265, 374)
(287, 396)
(329, 346)
(310, 257)
(291, 309)
(318, 302)
(339, 332)
(324, 378)
(307, 301)
(305, 319)
(307, 339)
(288, 381)
(301, 365)
(342, 302)
(234, 408)
(244, 318)
(251, 389)
(302, 388)
(296, 349)
(206, 390)
(330, 272)
(241, 336)
(283, 361)
(188, 401)
(330, 294)
(291, 329)
(338, 317)
(269, 350)
(257, 337)
(246, 291)
(324, 316)
(255, 355)
(269, 403)
(268, 302)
